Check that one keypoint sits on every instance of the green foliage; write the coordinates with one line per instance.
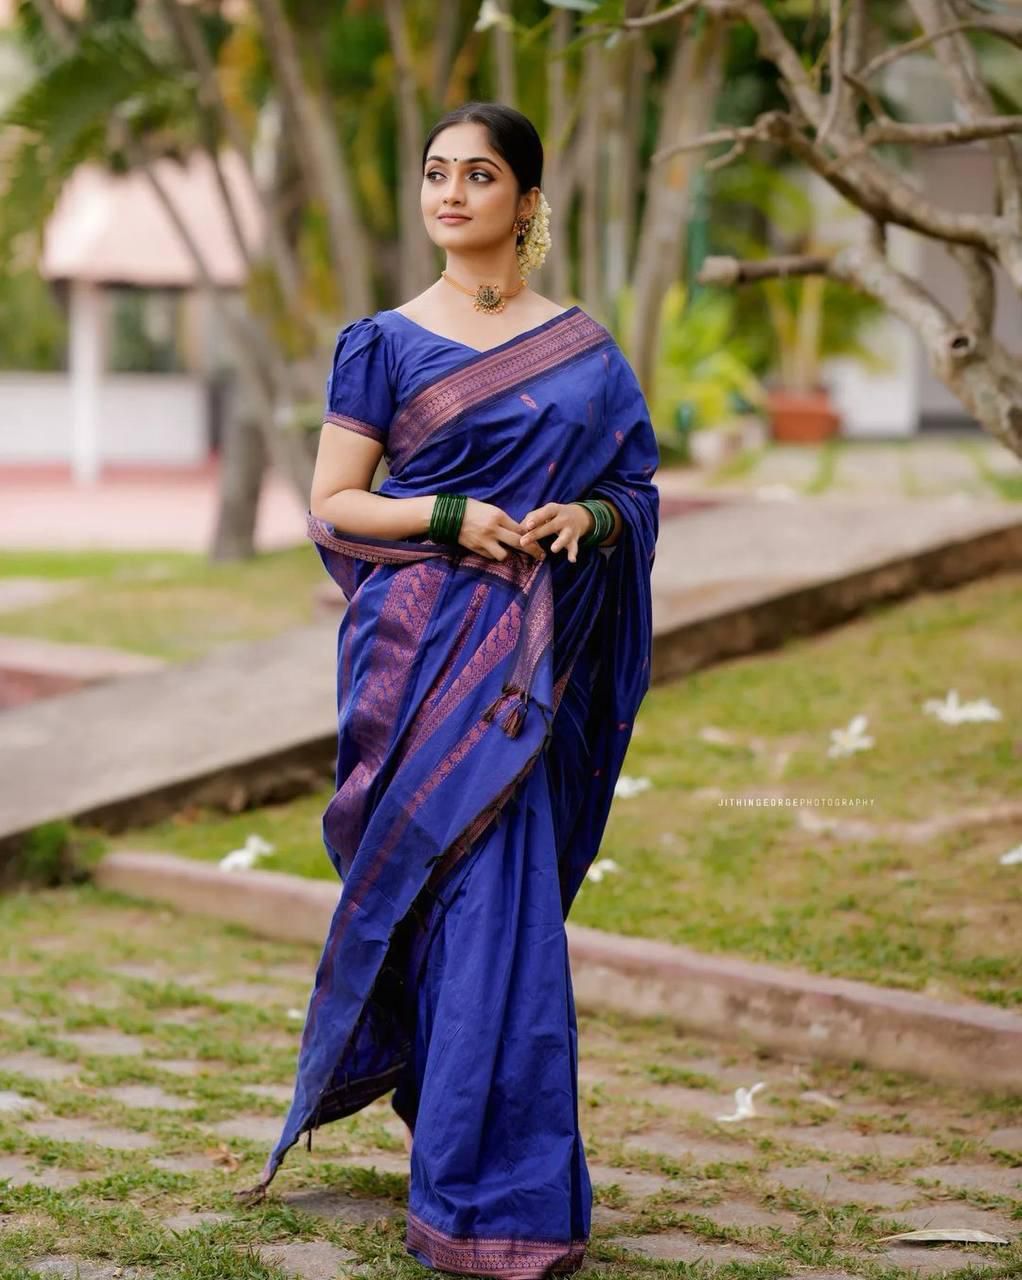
(33, 331)
(701, 366)
(49, 854)
(807, 318)
(62, 119)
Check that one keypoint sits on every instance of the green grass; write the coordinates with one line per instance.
(826, 468)
(941, 916)
(166, 605)
(60, 956)
(1006, 486)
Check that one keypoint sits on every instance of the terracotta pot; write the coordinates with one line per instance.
(802, 417)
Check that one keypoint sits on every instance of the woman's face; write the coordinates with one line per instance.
(465, 176)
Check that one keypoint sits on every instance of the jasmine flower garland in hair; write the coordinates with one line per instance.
(532, 250)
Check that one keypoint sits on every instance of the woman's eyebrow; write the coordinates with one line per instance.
(470, 160)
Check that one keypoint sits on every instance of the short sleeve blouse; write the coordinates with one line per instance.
(359, 389)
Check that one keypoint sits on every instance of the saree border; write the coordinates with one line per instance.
(517, 568)
(485, 376)
(355, 424)
(510, 1257)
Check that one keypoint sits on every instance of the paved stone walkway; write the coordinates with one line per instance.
(957, 467)
(145, 1061)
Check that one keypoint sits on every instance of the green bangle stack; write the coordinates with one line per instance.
(445, 521)
(604, 518)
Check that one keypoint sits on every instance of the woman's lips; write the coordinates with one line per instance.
(453, 217)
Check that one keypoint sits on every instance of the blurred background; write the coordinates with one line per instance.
(194, 197)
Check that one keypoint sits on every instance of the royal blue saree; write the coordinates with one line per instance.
(484, 710)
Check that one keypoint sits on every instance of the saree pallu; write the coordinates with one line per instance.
(484, 711)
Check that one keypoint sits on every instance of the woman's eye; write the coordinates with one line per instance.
(436, 173)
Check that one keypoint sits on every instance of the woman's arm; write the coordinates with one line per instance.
(345, 465)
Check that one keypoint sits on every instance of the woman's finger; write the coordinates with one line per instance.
(544, 512)
(514, 539)
(553, 525)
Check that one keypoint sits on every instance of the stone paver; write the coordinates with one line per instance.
(847, 1142)
(113, 1043)
(977, 1177)
(192, 1221)
(68, 1268)
(765, 1200)
(829, 1184)
(185, 1066)
(13, 1103)
(37, 1066)
(677, 1146)
(631, 1183)
(337, 1207)
(24, 1173)
(148, 1096)
(15, 1018)
(249, 993)
(251, 1128)
(928, 1260)
(680, 1098)
(947, 1215)
(68, 1129)
(308, 1260)
(383, 1161)
(1006, 1139)
(275, 1092)
(745, 1213)
(183, 1164)
(677, 1246)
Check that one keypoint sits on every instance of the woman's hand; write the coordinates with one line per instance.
(489, 531)
(569, 520)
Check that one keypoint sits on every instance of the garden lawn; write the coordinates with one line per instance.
(168, 605)
(940, 915)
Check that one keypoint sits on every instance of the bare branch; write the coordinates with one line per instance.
(979, 279)
(1008, 28)
(664, 15)
(758, 131)
(961, 67)
(724, 270)
(944, 133)
(836, 77)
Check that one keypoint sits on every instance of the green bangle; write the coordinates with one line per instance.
(445, 520)
(603, 522)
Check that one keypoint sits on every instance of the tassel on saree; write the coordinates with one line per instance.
(515, 719)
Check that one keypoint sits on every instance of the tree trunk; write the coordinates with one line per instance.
(243, 462)
(687, 107)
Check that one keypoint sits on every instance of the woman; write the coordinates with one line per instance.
(491, 662)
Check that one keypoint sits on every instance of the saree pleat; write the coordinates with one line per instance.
(484, 710)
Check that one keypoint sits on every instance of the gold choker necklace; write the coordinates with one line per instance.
(489, 298)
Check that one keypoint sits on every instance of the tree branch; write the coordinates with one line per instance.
(961, 67)
(1008, 28)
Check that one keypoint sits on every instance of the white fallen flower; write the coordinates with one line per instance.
(599, 869)
(627, 787)
(843, 742)
(295, 1014)
(951, 711)
(1012, 858)
(254, 848)
(744, 1105)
